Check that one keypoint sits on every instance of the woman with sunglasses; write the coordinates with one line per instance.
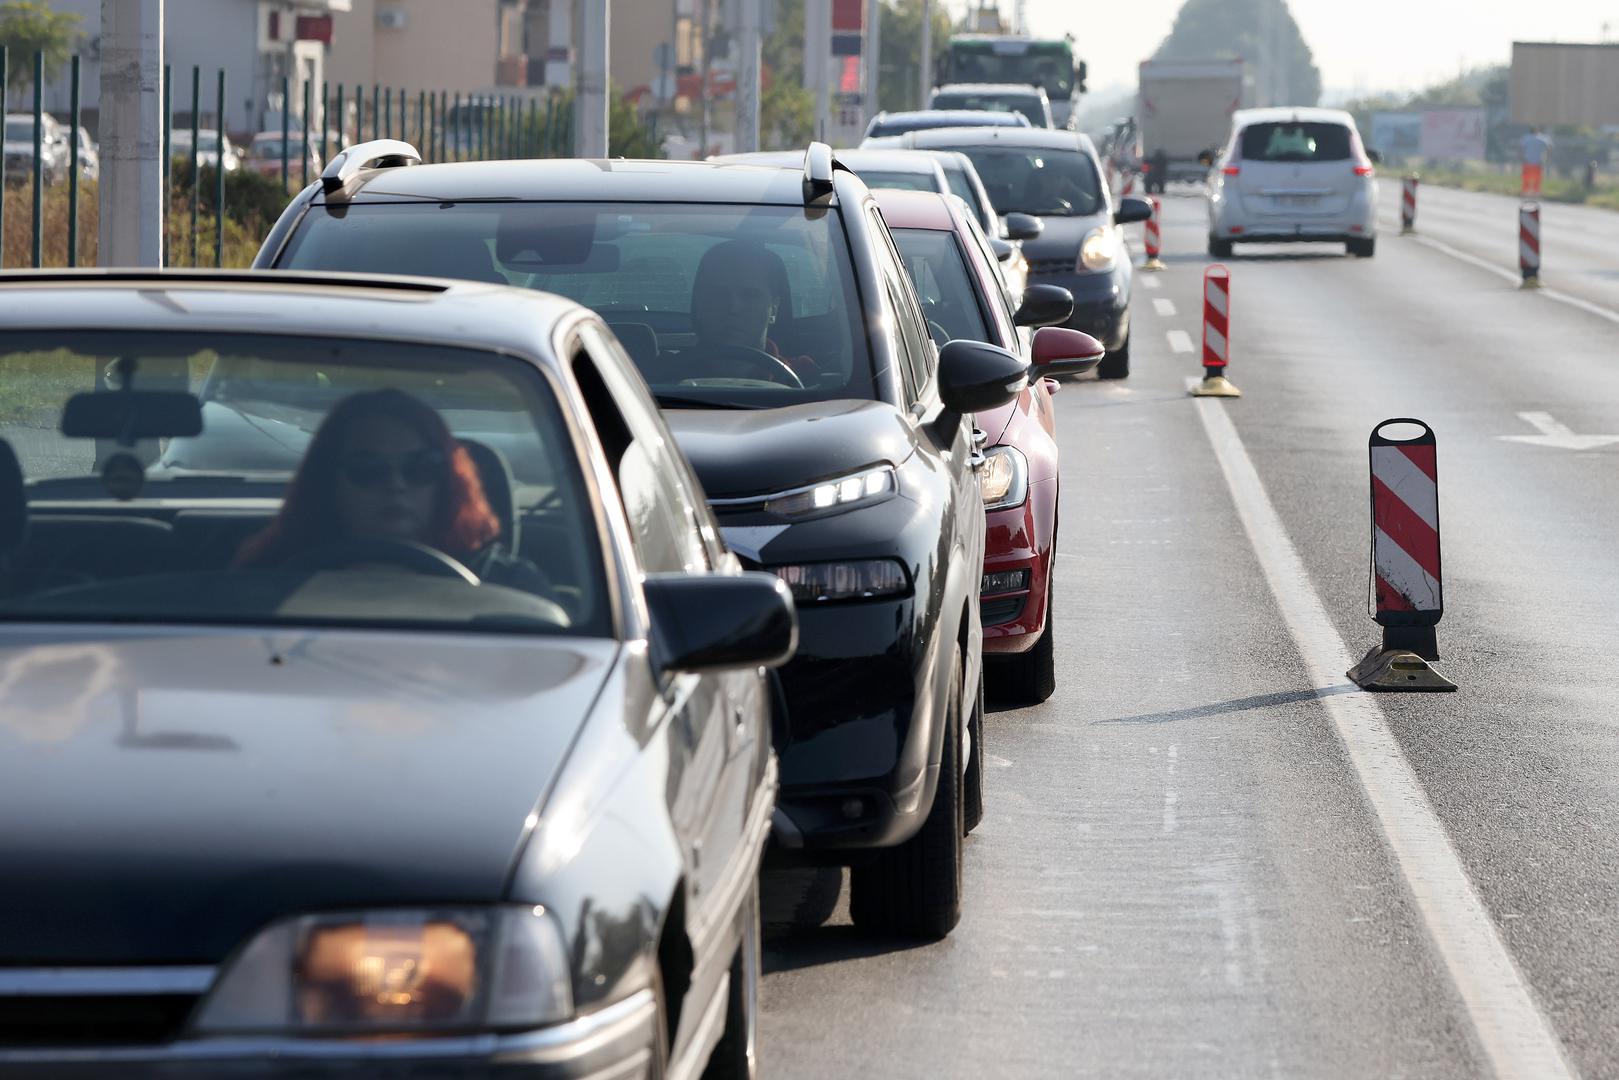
(384, 469)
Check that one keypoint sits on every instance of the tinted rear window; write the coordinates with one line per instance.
(1296, 142)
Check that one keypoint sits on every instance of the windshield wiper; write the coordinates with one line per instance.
(683, 401)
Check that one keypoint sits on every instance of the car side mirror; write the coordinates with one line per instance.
(1375, 156)
(1044, 305)
(1060, 351)
(1132, 208)
(1003, 249)
(975, 376)
(718, 622)
(1023, 226)
(1206, 158)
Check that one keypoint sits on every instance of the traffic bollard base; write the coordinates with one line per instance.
(1400, 671)
(1154, 263)
(1407, 230)
(1530, 283)
(1215, 386)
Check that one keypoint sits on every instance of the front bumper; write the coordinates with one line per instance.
(1101, 301)
(614, 1043)
(1013, 621)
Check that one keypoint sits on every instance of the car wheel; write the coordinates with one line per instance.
(914, 890)
(736, 1055)
(1031, 677)
(1219, 249)
(1116, 364)
(973, 781)
(1362, 248)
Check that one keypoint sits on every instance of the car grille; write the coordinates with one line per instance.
(1001, 610)
(98, 1020)
(1050, 266)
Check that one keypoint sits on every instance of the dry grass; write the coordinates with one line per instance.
(1556, 189)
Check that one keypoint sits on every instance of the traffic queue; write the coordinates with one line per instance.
(498, 576)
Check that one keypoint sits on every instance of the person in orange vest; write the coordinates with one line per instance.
(1533, 146)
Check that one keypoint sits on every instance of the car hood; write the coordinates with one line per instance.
(166, 792)
(1061, 237)
(739, 453)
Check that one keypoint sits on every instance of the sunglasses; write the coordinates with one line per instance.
(424, 468)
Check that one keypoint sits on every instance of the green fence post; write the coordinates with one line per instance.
(168, 159)
(388, 113)
(325, 119)
(219, 177)
(39, 160)
(196, 169)
(303, 156)
(422, 145)
(376, 115)
(3, 77)
(443, 125)
(458, 120)
(286, 132)
(73, 167)
(359, 113)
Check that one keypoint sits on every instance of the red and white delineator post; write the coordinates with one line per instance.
(1152, 238)
(1216, 334)
(1529, 244)
(1407, 592)
(1408, 204)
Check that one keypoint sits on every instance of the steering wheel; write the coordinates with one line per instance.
(776, 369)
(407, 554)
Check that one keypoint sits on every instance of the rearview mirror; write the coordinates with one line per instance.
(1003, 249)
(1375, 156)
(975, 376)
(717, 622)
(129, 415)
(1206, 158)
(1132, 208)
(1023, 226)
(1044, 305)
(1060, 351)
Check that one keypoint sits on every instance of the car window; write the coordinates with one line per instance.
(1294, 142)
(19, 130)
(981, 242)
(903, 181)
(939, 272)
(913, 334)
(1028, 105)
(293, 481)
(1048, 181)
(742, 305)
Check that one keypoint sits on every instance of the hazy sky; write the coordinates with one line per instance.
(1362, 45)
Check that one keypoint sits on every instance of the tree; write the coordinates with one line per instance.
(786, 108)
(28, 27)
(1231, 29)
(899, 68)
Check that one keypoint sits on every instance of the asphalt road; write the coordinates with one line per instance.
(1208, 855)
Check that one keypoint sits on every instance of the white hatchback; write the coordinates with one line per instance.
(1293, 175)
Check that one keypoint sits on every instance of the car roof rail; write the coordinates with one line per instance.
(377, 154)
(818, 165)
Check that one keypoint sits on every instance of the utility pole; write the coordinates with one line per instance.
(872, 68)
(131, 231)
(817, 60)
(591, 17)
(927, 54)
(751, 42)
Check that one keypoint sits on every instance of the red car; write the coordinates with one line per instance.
(964, 296)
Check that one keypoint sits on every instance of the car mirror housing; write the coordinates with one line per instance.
(1045, 305)
(1206, 158)
(975, 376)
(1023, 226)
(1003, 249)
(718, 622)
(1060, 351)
(1131, 209)
(1375, 156)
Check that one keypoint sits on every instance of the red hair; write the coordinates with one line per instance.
(463, 522)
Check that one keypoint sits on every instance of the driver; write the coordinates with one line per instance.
(739, 289)
(383, 466)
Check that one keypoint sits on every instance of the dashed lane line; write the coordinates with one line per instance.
(1164, 306)
(1514, 1034)
(1151, 281)
(1179, 341)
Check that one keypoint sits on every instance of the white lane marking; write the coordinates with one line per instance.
(1502, 272)
(1180, 341)
(1164, 306)
(1514, 1034)
(1555, 433)
(1151, 281)
(1171, 797)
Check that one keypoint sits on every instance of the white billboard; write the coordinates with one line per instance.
(1454, 134)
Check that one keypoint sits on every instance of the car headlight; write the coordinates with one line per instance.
(857, 579)
(836, 495)
(404, 971)
(1004, 478)
(1098, 250)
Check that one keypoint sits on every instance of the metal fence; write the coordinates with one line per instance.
(443, 126)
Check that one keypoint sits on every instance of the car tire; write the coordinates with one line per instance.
(1029, 678)
(1362, 248)
(735, 1057)
(914, 890)
(973, 781)
(1219, 249)
(1116, 364)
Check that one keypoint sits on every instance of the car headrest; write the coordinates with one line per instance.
(499, 487)
(639, 340)
(13, 501)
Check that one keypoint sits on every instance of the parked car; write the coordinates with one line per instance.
(948, 259)
(1028, 101)
(1293, 175)
(888, 124)
(769, 311)
(264, 156)
(19, 149)
(208, 140)
(902, 169)
(89, 155)
(1056, 176)
(376, 693)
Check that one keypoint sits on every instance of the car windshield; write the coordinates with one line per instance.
(741, 306)
(961, 185)
(904, 181)
(1049, 67)
(938, 269)
(1027, 105)
(20, 130)
(1039, 180)
(270, 480)
(1296, 142)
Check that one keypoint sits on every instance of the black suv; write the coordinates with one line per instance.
(773, 319)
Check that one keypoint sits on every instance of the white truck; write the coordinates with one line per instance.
(1184, 109)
